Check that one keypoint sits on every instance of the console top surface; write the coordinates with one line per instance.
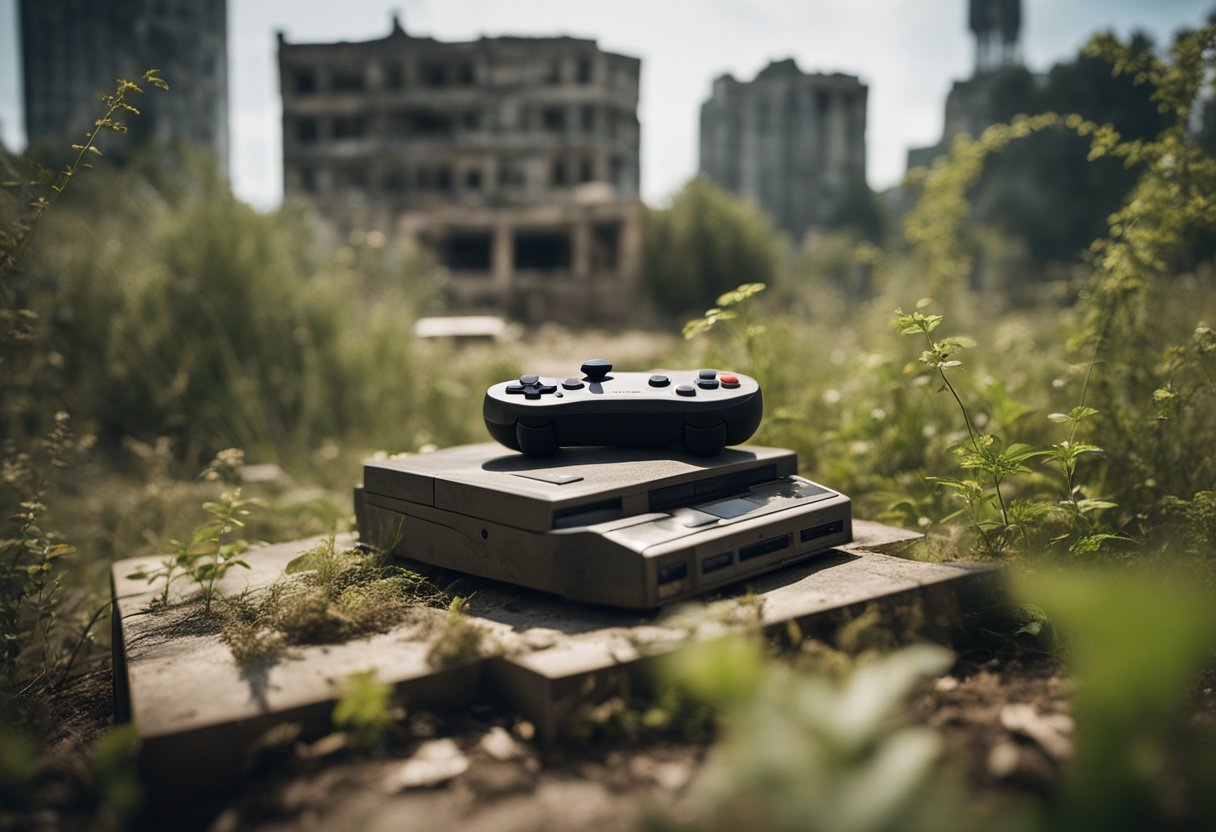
(599, 387)
(485, 481)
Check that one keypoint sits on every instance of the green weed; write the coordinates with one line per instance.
(325, 595)
(364, 710)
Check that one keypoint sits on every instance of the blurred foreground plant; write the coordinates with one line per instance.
(32, 557)
(212, 551)
(1137, 643)
(802, 750)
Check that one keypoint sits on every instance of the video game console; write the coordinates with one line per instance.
(701, 411)
(627, 527)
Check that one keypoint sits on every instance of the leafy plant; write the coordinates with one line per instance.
(459, 639)
(212, 551)
(364, 709)
(805, 750)
(980, 452)
(116, 105)
(32, 557)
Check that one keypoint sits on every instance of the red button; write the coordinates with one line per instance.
(728, 379)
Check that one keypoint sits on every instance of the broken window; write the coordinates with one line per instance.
(586, 170)
(465, 74)
(605, 246)
(349, 127)
(394, 76)
(558, 176)
(472, 179)
(421, 123)
(585, 70)
(433, 74)
(347, 80)
(618, 173)
(354, 178)
(468, 251)
(393, 182)
(554, 119)
(542, 250)
(305, 81)
(307, 130)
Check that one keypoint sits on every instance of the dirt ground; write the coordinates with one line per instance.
(1004, 723)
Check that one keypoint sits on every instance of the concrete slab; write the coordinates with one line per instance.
(197, 711)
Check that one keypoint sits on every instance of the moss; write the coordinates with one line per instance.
(460, 640)
(326, 595)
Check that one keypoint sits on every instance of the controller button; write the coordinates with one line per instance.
(659, 381)
(515, 388)
(548, 388)
(707, 374)
(529, 379)
(531, 393)
(572, 383)
(686, 390)
(707, 383)
(729, 381)
(596, 369)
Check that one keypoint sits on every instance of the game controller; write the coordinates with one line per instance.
(701, 410)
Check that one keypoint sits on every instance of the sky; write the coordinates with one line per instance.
(908, 52)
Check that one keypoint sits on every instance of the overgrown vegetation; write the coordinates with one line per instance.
(37, 438)
(326, 595)
(1073, 425)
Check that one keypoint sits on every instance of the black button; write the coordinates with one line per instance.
(529, 379)
(686, 390)
(707, 383)
(548, 388)
(707, 374)
(531, 393)
(659, 381)
(572, 383)
(515, 388)
(596, 369)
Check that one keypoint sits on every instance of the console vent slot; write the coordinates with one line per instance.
(677, 496)
(715, 562)
(764, 547)
(822, 530)
(588, 514)
(669, 572)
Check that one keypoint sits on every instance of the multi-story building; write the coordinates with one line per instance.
(74, 50)
(792, 142)
(997, 26)
(514, 159)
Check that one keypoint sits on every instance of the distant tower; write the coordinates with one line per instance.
(996, 25)
(74, 50)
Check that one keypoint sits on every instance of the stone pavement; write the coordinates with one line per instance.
(197, 711)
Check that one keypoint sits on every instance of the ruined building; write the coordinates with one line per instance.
(513, 159)
(72, 51)
(997, 26)
(790, 141)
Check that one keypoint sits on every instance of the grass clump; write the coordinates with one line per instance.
(326, 595)
(460, 640)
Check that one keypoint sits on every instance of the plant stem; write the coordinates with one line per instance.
(967, 421)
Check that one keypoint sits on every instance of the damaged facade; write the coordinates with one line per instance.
(515, 160)
(73, 52)
(792, 142)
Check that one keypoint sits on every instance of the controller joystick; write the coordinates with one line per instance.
(596, 369)
(700, 410)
